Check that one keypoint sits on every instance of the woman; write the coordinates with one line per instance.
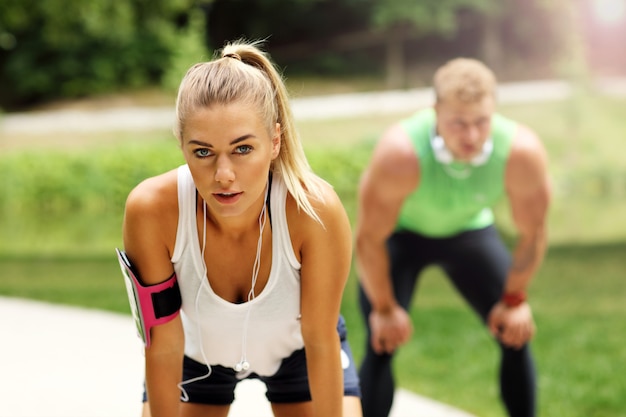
(260, 246)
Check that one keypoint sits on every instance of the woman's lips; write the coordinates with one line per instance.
(227, 198)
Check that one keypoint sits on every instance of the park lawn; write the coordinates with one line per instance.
(66, 255)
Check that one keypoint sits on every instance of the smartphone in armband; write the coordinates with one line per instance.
(150, 305)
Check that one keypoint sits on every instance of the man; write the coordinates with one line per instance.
(425, 199)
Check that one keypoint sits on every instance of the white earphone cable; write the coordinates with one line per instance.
(243, 364)
(184, 396)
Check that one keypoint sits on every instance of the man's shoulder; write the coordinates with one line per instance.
(528, 160)
(395, 147)
(526, 140)
(403, 137)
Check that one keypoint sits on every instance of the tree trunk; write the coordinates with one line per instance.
(395, 62)
(491, 44)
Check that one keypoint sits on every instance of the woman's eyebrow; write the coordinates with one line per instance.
(233, 142)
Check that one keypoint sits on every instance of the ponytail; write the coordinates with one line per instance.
(243, 73)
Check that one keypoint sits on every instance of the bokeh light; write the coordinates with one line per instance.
(609, 12)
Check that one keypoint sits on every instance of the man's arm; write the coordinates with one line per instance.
(391, 175)
(529, 192)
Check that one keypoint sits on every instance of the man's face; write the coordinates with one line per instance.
(464, 127)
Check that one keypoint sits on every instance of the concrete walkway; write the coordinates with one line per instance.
(58, 361)
(306, 108)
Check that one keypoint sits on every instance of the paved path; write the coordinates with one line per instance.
(307, 108)
(58, 361)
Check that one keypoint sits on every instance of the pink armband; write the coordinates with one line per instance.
(150, 305)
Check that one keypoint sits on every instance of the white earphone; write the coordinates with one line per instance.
(242, 366)
(444, 156)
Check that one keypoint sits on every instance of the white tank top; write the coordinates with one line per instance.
(273, 330)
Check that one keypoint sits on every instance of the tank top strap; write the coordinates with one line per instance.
(186, 210)
(280, 227)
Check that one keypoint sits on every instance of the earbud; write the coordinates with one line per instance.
(242, 366)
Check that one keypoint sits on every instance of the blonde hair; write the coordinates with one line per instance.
(464, 79)
(242, 73)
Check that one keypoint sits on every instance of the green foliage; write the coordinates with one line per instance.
(56, 49)
(190, 49)
(93, 282)
(79, 48)
(342, 168)
(55, 182)
(55, 201)
(58, 202)
(426, 16)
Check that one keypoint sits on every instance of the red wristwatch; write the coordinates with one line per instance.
(513, 299)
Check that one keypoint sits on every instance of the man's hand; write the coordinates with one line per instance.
(513, 326)
(390, 329)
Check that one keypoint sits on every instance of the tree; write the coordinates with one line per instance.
(72, 48)
(399, 20)
(338, 37)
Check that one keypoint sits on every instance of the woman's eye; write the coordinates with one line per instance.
(202, 153)
(243, 149)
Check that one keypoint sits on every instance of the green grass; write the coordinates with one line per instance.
(61, 205)
(93, 282)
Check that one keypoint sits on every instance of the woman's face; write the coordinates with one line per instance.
(229, 151)
(464, 127)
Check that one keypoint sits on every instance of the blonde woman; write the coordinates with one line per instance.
(259, 246)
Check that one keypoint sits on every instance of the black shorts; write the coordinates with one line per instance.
(290, 384)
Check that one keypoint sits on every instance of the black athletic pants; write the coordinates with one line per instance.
(477, 263)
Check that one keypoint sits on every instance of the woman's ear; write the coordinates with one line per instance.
(276, 142)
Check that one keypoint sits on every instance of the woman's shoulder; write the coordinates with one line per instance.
(150, 220)
(154, 194)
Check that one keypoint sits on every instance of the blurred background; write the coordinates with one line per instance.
(62, 191)
(66, 49)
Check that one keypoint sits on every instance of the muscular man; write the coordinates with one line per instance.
(426, 199)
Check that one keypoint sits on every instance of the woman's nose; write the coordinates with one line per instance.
(224, 172)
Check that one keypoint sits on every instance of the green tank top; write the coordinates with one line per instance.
(456, 197)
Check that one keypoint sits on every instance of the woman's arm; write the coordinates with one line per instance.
(149, 220)
(326, 254)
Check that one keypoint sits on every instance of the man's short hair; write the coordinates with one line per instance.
(464, 79)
